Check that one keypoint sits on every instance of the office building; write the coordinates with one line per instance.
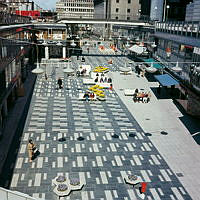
(193, 11)
(168, 10)
(123, 9)
(75, 9)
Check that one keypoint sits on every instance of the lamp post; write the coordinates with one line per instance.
(167, 12)
(69, 70)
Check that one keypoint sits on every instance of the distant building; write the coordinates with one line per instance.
(193, 11)
(75, 9)
(100, 9)
(168, 10)
(123, 10)
(145, 9)
(156, 10)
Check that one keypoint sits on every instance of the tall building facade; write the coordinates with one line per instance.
(168, 10)
(75, 9)
(193, 11)
(123, 9)
(145, 8)
(156, 12)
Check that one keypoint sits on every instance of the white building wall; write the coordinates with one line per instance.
(123, 10)
(75, 9)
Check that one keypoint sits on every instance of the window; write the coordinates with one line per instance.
(116, 17)
(117, 10)
(117, 1)
(128, 10)
(129, 1)
(128, 18)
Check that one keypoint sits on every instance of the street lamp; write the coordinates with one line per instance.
(167, 12)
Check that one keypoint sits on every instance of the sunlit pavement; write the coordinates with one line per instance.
(152, 144)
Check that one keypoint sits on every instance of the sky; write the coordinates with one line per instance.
(46, 4)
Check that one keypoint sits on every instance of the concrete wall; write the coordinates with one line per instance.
(123, 5)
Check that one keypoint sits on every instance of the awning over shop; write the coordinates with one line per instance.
(166, 80)
(137, 49)
(156, 64)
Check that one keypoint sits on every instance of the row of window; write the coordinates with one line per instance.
(117, 1)
(78, 5)
(78, 1)
(75, 10)
(128, 10)
(128, 18)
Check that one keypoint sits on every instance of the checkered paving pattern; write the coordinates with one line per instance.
(99, 159)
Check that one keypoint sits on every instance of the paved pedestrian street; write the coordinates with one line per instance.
(98, 142)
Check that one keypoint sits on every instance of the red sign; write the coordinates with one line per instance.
(19, 29)
(30, 13)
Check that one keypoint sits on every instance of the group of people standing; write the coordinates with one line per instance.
(144, 97)
(102, 79)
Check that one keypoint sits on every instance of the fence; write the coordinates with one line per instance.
(9, 195)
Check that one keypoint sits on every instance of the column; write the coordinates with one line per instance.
(5, 108)
(46, 52)
(64, 52)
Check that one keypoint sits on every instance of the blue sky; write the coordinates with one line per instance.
(46, 4)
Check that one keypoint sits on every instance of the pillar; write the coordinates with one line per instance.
(46, 52)
(64, 52)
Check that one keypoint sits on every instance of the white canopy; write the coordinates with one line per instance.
(137, 49)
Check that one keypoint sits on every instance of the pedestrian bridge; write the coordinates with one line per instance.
(104, 21)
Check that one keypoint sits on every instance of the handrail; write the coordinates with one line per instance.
(4, 193)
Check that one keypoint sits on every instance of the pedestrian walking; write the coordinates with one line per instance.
(60, 83)
(46, 77)
(31, 147)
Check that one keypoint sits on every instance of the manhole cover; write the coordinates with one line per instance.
(62, 139)
(121, 89)
(80, 138)
(147, 119)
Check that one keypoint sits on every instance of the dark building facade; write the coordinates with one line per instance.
(168, 10)
(145, 8)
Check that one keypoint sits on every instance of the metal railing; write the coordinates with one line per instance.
(179, 27)
(9, 50)
(8, 19)
(117, 17)
(8, 195)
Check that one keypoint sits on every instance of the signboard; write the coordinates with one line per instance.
(57, 36)
(196, 50)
